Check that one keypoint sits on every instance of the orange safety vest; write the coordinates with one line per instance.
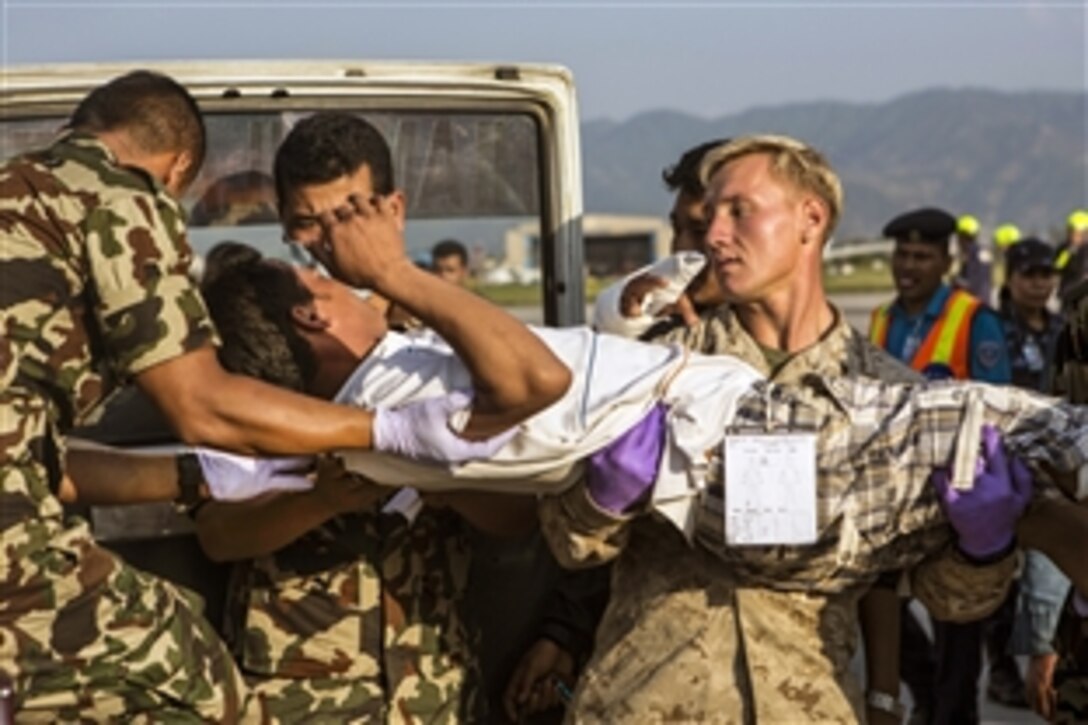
(949, 340)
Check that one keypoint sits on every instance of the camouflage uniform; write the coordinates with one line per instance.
(93, 288)
(687, 638)
(359, 620)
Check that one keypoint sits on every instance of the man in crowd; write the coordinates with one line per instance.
(942, 332)
(939, 331)
(449, 260)
(755, 654)
(94, 261)
(975, 273)
(1072, 256)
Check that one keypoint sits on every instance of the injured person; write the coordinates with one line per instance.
(874, 445)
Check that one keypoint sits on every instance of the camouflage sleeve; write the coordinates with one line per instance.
(580, 533)
(955, 590)
(146, 305)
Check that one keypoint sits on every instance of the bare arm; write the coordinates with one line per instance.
(99, 476)
(514, 374)
(1058, 528)
(233, 530)
(206, 405)
(496, 514)
(879, 610)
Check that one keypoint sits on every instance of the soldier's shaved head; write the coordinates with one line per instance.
(154, 110)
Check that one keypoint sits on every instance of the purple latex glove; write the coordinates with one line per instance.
(985, 517)
(622, 473)
(421, 430)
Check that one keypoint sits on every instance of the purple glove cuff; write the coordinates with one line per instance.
(622, 473)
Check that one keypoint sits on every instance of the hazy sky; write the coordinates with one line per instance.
(705, 58)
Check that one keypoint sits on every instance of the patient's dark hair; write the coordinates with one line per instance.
(250, 299)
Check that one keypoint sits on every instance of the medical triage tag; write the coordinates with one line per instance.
(770, 488)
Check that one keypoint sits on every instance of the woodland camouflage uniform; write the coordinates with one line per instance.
(359, 620)
(687, 638)
(93, 289)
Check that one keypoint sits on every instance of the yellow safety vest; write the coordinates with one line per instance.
(949, 340)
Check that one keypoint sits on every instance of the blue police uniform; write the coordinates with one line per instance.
(988, 358)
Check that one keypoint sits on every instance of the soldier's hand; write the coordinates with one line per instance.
(544, 671)
(365, 242)
(1039, 684)
(342, 491)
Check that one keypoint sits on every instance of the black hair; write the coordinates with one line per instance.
(251, 300)
(448, 248)
(683, 176)
(328, 145)
(155, 110)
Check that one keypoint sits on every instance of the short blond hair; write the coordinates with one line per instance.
(791, 161)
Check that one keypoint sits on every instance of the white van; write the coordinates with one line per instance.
(483, 152)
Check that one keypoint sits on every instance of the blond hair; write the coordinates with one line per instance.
(792, 161)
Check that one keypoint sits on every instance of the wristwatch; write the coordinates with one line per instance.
(190, 479)
(885, 702)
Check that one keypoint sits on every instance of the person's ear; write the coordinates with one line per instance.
(306, 316)
(177, 173)
(398, 205)
(813, 219)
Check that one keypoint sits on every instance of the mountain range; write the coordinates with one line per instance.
(1019, 157)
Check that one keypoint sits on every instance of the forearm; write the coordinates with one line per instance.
(100, 476)
(229, 531)
(514, 373)
(492, 513)
(880, 611)
(208, 406)
(1058, 528)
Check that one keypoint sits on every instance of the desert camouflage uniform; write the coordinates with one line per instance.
(93, 288)
(686, 638)
(359, 621)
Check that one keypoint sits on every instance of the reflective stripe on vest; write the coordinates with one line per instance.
(878, 326)
(949, 340)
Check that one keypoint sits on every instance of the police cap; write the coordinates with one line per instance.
(1027, 254)
(922, 225)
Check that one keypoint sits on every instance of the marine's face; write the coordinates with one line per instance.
(688, 218)
(755, 229)
(918, 268)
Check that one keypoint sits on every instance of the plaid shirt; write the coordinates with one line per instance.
(878, 445)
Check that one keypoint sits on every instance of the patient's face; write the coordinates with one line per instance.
(351, 319)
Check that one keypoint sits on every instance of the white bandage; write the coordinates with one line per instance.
(677, 270)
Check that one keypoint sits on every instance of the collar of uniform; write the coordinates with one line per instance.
(88, 142)
(89, 150)
(824, 357)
